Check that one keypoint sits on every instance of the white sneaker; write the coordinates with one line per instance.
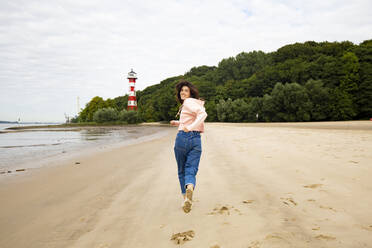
(189, 193)
(187, 204)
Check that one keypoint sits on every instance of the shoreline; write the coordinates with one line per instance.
(83, 126)
(316, 124)
(57, 158)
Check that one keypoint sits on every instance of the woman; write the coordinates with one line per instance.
(187, 147)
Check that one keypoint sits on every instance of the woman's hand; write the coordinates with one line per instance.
(174, 123)
(185, 129)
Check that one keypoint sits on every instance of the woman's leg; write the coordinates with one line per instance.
(181, 160)
(192, 163)
(191, 169)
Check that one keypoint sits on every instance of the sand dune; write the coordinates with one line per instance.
(259, 185)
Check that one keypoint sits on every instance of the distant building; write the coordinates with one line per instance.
(132, 101)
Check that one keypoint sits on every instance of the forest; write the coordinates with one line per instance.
(310, 81)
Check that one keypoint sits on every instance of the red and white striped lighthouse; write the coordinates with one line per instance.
(132, 101)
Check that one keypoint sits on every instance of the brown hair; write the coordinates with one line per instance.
(194, 93)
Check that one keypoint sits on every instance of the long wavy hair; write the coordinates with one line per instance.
(194, 93)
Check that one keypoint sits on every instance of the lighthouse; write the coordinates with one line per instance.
(132, 101)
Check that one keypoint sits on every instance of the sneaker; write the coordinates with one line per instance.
(189, 192)
(187, 204)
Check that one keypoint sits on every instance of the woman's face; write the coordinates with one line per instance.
(185, 92)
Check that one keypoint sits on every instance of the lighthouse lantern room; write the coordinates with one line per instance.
(132, 101)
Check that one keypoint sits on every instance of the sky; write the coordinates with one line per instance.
(54, 52)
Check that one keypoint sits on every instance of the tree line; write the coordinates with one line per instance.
(310, 81)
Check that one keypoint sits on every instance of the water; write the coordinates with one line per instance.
(19, 148)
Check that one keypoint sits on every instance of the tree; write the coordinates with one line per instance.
(291, 103)
(130, 116)
(268, 108)
(121, 102)
(341, 106)
(105, 115)
(320, 99)
(87, 113)
(364, 94)
(211, 109)
(224, 110)
(255, 106)
(200, 70)
(350, 79)
(239, 111)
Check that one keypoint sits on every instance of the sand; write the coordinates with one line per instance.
(259, 185)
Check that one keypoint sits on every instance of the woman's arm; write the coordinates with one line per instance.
(174, 123)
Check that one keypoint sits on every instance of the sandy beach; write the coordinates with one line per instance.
(259, 185)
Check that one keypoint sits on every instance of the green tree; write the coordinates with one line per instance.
(239, 111)
(106, 115)
(255, 106)
(268, 108)
(121, 102)
(129, 116)
(211, 109)
(291, 102)
(200, 71)
(350, 79)
(320, 100)
(96, 103)
(224, 110)
(364, 94)
(341, 106)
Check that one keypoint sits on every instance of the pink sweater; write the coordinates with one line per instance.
(192, 115)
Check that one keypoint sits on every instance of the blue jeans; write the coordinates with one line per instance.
(187, 150)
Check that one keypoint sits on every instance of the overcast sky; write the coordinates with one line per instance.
(52, 52)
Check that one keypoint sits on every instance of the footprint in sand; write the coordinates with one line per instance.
(180, 238)
(220, 210)
(248, 201)
(273, 236)
(313, 186)
(291, 219)
(275, 239)
(323, 207)
(238, 211)
(278, 239)
(288, 200)
(254, 244)
(328, 208)
(224, 210)
(368, 228)
(325, 237)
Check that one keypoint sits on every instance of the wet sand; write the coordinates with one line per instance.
(259, 185)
